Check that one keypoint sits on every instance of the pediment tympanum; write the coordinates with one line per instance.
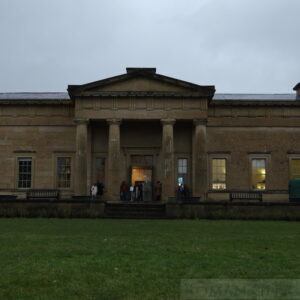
(141, 82)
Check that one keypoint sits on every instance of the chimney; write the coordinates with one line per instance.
(144, 70)
(297, 89)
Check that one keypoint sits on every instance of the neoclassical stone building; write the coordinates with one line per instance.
(143, 126)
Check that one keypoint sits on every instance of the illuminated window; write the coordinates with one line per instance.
(182, 166)
(295, 168)
(24, 172)
(259, 173)
(64, 172)
(219, 174)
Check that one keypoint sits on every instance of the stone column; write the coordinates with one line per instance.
(81, 188)
(200, 159)
(114, 163)
(168, 186)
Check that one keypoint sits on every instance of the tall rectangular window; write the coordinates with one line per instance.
(219, 174)
(259, 173)
(182, 166)
(24, 172)
(64, 172)
(295, 168)
(182, 170)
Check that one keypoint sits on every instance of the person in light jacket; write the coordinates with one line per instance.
(94, 191)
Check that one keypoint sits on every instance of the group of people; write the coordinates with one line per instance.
(140, 191)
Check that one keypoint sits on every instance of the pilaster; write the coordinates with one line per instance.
(81, 188)
(199, 159)
(114, 157)
(168, 184)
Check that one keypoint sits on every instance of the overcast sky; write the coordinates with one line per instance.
(237, 45)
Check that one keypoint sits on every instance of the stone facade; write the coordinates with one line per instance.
(151, 121)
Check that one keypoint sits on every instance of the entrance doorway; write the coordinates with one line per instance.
(142, 176)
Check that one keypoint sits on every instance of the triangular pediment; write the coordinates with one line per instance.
(139, 80)
(139, 83)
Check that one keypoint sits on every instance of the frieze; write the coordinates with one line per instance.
(140, 104)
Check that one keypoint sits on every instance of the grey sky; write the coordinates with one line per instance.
(236, 45)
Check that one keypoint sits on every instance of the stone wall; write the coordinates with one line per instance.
(40, 132)
(238, 211)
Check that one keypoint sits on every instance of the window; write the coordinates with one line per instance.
(182, 171)
(295, 168)
(259, 173)
(64, 172)
(219, 174)
(182, 166)
(24, 172)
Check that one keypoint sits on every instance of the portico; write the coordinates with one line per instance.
(134, 115)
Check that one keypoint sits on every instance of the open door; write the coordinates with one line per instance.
(143, 175)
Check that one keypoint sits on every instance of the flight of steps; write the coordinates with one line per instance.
(135, 210)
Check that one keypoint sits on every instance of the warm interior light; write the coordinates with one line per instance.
(140, 174)
(219, 186)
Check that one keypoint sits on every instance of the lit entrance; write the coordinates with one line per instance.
(142, 177)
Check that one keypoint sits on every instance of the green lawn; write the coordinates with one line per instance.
(138, 259)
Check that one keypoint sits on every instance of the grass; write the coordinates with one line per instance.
(138, 259)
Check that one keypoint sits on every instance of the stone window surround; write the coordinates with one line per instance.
(267, 157)
(187, 176)
(212, 156)
(56, 155)
(290, 158)
(22, 154)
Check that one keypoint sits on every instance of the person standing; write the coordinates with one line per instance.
(141, 188)
(94, 191)
(158, 191)
(131, 189)
(146, 191)
(136, 192)
(182, 192)
(100, 189)
(123, 191)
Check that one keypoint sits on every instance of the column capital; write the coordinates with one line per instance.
(114, 121)
(168, 121)
(81, 121)
(200, 121)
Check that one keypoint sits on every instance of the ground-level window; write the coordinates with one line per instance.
(218, 173)
(64, 172)
(182, 170)
(295, 168)
(24, 172)
(258, 173)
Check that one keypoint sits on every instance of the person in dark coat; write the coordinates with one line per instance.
(100, 189)
(158, 191)
(182, 191)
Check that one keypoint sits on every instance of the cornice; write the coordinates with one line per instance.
(143, 94)
(36, 102)
(234, 103)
